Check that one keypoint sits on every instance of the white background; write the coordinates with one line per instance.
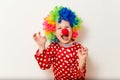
(20, 19)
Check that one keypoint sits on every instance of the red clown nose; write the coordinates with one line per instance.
(65, 31)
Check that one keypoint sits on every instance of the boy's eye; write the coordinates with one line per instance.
(59, 28)
(67, 27)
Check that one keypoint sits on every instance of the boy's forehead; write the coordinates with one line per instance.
(63, 23)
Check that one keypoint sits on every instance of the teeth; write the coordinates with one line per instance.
(64, 37)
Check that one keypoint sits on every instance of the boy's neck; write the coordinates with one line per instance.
(66, 44)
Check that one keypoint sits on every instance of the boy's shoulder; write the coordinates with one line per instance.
(78, 44)
(53, 44)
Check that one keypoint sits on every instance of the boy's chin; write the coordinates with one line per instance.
(65, 41)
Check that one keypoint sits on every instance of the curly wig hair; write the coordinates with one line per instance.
(57, 15)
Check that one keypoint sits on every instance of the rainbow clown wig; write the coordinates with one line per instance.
(57, 15)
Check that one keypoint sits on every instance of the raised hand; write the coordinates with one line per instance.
(40, 40)
(82, 54)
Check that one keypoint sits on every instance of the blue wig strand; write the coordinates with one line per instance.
(68, 15)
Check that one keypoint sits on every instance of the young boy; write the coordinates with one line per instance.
(67, 57)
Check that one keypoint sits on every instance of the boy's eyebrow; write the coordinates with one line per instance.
(67, 26)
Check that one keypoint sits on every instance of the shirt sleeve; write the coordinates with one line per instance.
(83, 72)
(45, 58)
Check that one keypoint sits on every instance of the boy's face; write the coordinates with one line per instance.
(63, 32)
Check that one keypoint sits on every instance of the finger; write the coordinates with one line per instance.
(86, 50)
(39, 34)
(79, 52)
(82, 51)
(44, 37)
(34, 36)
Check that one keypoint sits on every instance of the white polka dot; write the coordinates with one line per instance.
(72, 64)
(56, 58)
(43, 64)
(37, 58)
(39, 62)
(62, 54)
(45, 56)
(64, 57)
(76, 51)
(76, 64)
(47, 53)
(77, 59)
(44, 60)
(62, 48)
(41, 59)
(73, 59)
(56, 49)
(73, 53)
(70, 60)
(72, 49)
(50, 52)
(65, 66)
(59, 56)
(68, 50)
(59, 50)
(68, 69)
(61, 60)
(60, 65)
(48, 59)
(66, 72)
(67, 56)
(51, 58)
(63, 63)
(46, 65)
(58, 61)
(66, 61)
(43, 68)
(64, 51)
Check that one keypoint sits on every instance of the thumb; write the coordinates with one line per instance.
(79, 53)
(44, 37)
(78, 50)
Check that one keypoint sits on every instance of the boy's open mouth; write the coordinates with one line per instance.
(65, 37)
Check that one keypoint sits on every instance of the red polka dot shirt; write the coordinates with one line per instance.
(64, 61)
